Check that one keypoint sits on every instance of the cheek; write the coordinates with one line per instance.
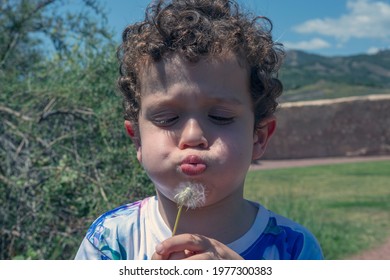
(155, 146)
(152, 150)
(234, 150)
(139, 154)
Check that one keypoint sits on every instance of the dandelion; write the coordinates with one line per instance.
(190, 195)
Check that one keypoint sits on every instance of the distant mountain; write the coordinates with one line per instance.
(309, 76)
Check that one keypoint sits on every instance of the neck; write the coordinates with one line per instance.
(225, 221)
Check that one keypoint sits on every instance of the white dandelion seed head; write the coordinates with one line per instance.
(191, 195)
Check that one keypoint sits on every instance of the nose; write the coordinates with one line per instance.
(192, 135)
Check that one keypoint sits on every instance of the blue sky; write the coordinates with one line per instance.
(326, 27)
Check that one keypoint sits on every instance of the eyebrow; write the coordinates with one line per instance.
(231, 101)
(222, 100)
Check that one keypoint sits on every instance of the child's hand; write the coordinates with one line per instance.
(193, 247)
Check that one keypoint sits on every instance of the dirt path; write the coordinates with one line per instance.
(379, 253)
(273, 164)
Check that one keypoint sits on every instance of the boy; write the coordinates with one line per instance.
(199, 87)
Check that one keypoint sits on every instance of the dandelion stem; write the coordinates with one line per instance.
(177, 220)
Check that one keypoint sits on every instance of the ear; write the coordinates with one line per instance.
(135, 138)
(263, 132)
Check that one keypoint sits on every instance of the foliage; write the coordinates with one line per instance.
(309, 76)
(64, 155)
(330, 90)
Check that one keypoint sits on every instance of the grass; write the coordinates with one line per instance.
(346, 206)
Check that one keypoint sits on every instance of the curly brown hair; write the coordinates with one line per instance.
(196, 29)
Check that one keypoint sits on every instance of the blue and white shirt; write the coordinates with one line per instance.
(132, 232)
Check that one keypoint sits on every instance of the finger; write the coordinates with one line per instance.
(172, 256)
(182, 242)
(202, 256)
(180, 255)
(194, 247)
(218, 254)
(158, 257)
(214, 250)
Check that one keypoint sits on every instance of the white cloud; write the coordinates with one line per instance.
(373, 50)
(365, 19)
(313, 44)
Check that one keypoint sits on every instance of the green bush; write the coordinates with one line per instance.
(65, 158)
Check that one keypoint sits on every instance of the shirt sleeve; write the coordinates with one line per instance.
(311, 249)
(87, 251)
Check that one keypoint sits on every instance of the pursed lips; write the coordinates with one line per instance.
(193, 165)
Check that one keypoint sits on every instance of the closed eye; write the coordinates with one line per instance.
(164, 122)
(221, 120)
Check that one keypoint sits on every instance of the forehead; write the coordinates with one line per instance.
(218, 73)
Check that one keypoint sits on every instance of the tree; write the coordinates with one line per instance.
(64, 156)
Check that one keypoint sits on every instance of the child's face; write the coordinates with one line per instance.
(196, 124)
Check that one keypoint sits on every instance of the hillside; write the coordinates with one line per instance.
(308, 76)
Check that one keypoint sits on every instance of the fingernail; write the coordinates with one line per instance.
(159, 249)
